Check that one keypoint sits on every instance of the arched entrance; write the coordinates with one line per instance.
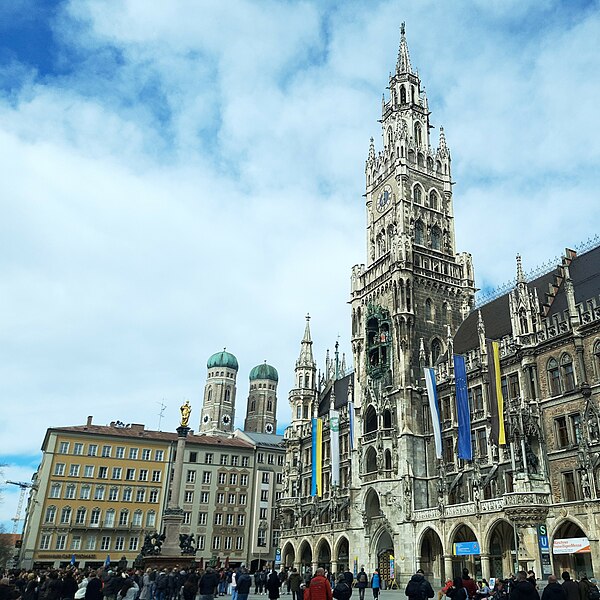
(432, 557)
(288, 555)
(465, 561)
(343, 555)
(305, 553)
(384, 549)
(502, 550)
(324, 555)
(577, 563)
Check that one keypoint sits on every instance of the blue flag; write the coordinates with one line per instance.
(434, 407)
(465, 450)
(107, 561)
(72, 560)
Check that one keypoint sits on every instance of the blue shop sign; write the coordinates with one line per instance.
(466, 548)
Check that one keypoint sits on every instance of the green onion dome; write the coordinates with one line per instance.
(222, 359)
(264, 371)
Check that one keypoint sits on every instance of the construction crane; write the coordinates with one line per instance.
(24, 487)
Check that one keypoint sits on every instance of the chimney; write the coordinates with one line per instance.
(89, 420)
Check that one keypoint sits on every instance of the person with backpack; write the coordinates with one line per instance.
(342, 591)
(362, 579)
(376, 584)
(319, 588)
(418, 588)
(594, 593)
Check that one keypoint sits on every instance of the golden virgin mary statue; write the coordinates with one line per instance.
(186, 410)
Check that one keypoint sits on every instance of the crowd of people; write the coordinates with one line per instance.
(204, 584)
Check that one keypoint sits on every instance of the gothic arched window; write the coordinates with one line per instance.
(370, 423)
(436, 350)
(433, 200)
(388, 460)
(371, 460)
(418, 134)
(428, 310)
(553, 377)
(402, 95)
(436, 238)
(568, 376)
(597, 360)
(209, 396)
(417, 194)
(419, 233)
(227, 395)
(253, 405)
(387, 419)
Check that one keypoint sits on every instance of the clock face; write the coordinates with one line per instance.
(226, 419)
(269, 428)
(206, 418)
(384, 200)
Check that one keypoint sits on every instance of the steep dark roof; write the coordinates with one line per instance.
(585, 274)
(341, 394)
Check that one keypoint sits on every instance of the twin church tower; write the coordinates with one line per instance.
(218, 409)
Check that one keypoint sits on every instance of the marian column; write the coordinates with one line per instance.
(173, 515)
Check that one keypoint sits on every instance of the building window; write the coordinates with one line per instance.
(88, 471)
(265, 477)
(151, 519)
(113, 494)
(120, 452)
(80, 516)
(448, 450)
(242, 498)
(233, 479)
(159, 455)
(55, 490)
(143, 475)
(220, 498)
(202, 518)
(76, 542)
(130, 474)
(50, 514)
(105, 543)
(65, 515)
(95, 517)
(562, 432)
(229, 519)
(244, 480)
(61, 542)
(188, 496)
(136, 521)
(140, 495)
(133, 544)
(575, 428)
(568, 376)
(476, 398)
(570, 489)
(201, 542)
(216, 544)
(187, 517)
(102, 472)
(146, 454)
(239, 543)
(554, 378)
(99, 492)
(280, 460)
(262, 513)
(45, 541)
(92, 449)
(260, 458)
(90, 542)
(204, 497)
(218, 519)
(482, 447)
(119, 542)
(222, 478)
(436, 238)
(227, 545)
(206, 477)
(156, 476)
(59, 469)
(193, 457)
(78, 449)
(245, 461)
(127, 493)
(190, 476)
(84, 492)
(110, 518)
(106, 451)
(208, 458)
(116, 473)
(153, 496)
(264, 495)
(133, 453)
(231, 499)
(419, 233)
(63, 448)
(261, 539)
(417, 194)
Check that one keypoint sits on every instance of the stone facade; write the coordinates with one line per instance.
(413, 306)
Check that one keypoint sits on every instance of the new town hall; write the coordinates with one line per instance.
(529, 503)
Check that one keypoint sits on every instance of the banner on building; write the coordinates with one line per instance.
(465, 450)
(571, 546)
(334, 445)
(434, 407)
(466, 549)
(317, 458)
(497, 435)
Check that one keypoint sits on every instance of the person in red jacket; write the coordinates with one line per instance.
(319, 588)
(469, 584)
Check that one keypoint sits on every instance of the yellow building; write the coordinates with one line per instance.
(97, 492)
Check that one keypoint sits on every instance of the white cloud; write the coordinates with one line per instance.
(192, 179)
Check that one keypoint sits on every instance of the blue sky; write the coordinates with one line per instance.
(179, 177)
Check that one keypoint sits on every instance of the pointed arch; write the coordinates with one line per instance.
(433, 200)
(417, 194)
(436, 238)
(370, 421)
(370, 460)
(554, 380)
(567, 372)
(419, 233)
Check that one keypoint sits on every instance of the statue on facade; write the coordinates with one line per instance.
(533, 462)
(186, 411)
(585, 485)
(407, 496)
(592, 425)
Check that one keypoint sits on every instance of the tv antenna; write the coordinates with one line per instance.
(161, 413)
